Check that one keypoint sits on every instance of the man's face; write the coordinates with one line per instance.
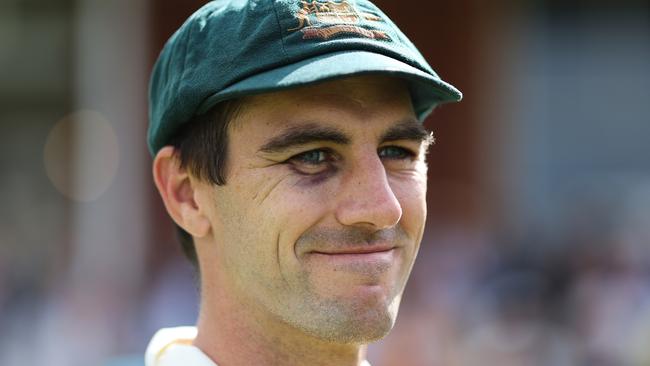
(324, 207)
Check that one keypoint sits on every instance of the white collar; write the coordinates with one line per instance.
(173, 347)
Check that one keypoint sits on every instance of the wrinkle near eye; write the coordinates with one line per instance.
(267, 187)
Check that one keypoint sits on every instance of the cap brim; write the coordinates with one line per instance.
(427, 91)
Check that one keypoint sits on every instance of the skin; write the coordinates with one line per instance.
(305, 252)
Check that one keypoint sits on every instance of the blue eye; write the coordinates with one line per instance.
(394, 152)
(313, 162)
(313, 157)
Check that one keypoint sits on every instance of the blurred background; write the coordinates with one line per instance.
(537, 250)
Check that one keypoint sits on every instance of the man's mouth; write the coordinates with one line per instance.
(367, 260)
(356, 250)
(368, 254)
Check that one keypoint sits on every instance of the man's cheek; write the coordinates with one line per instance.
(410, 193)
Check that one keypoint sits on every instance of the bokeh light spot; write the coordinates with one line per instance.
(81, 155)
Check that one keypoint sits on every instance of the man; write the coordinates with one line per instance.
(289, 150)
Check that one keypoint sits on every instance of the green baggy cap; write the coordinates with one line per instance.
(232, 48)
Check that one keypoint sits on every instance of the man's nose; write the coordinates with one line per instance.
(366, 197)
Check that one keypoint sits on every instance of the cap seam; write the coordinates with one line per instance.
(277, 20)
(187, 45)
(439, 90)
(190, 35)
(404, 38)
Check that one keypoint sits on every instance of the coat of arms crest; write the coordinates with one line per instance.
(327, 19)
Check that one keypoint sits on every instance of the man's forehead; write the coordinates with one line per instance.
(354, 92)
(373, 99)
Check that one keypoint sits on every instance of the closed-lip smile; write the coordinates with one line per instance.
(365, 249)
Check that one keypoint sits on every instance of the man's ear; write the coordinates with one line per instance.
(178, 193)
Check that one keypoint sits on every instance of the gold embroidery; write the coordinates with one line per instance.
(337, 13)
(371, 17)
(329, 32)
(333, 18)
(303, 17)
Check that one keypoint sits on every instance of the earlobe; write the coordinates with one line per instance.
(178, 192)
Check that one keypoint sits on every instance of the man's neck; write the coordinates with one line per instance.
(234, 334)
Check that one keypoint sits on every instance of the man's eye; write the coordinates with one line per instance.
(313, 162)
(395, 152)
(313, 157)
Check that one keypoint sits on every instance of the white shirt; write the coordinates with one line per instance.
(173, 347)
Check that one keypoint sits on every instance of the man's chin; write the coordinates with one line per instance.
(360, 329)
(354, 322)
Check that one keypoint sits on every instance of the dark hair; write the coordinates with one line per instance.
(201, 146)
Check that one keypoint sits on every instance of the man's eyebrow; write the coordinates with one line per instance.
(409, 129)
(304, 134)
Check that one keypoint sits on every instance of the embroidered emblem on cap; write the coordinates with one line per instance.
(319, 19)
